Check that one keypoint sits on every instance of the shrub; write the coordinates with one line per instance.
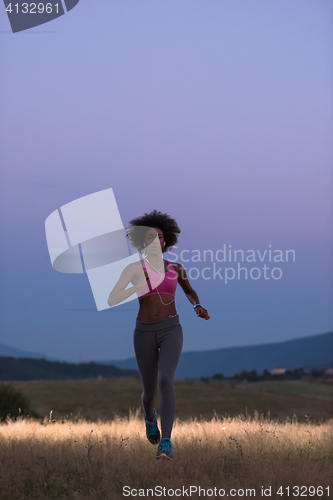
(205, 380)
(13, 403)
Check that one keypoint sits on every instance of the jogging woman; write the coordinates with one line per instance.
(158, 335)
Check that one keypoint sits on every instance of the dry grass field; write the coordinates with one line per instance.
(229, 441)
(231, 457)
(320, 388)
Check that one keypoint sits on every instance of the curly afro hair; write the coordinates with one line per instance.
(136, 231)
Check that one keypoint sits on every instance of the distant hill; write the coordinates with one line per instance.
(41, 369)
(314, 352)
(19, 353)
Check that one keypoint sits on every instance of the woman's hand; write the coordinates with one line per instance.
(202, 313)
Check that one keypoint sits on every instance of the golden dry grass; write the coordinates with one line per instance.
(95, 460)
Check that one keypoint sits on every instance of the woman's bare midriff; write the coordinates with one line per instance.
(151, 305)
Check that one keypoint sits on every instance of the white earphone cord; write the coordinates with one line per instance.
(159, 284)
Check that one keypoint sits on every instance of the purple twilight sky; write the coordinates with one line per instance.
(217, 112)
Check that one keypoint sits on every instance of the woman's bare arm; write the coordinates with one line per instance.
(189, 292)
(118, 294)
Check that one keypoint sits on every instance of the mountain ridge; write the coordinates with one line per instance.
(312, 352)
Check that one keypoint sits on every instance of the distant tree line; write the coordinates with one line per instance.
(41, 369)
(253, 376)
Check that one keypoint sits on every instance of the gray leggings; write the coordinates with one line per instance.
(157, 348)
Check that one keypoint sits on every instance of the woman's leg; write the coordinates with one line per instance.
(170, 342)
(146, 352)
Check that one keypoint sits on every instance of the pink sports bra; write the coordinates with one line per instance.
(163, 283)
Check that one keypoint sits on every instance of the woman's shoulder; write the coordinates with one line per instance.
(136, 265)
(177, 267)
(133, 267)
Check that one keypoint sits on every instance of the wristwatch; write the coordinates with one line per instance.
(196, 305)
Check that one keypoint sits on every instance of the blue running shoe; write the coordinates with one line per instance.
(152, 431)
(164, 449)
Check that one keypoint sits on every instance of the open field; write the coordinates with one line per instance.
(315, 388)
(95, 399)
(96, 460)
